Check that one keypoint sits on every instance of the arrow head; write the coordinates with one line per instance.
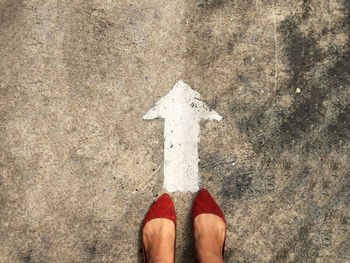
(181, 101)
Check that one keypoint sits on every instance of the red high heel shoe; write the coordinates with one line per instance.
(162, 208)
(204, 203)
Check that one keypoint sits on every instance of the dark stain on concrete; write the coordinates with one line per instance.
(343, 248)
(92, 249)
(301, 51)
(235, 179)
(213, 3)
(9, 11)
(235, 185)
(307, 109)
(342, 194)
(307, 112)
(306, 9)
(299, 243)
(339, 131)
(28, 257)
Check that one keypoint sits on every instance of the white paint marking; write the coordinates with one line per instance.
(182, 110)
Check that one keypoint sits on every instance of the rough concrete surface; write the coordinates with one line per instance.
(79, 167)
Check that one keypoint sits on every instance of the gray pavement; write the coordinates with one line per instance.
(79, 167)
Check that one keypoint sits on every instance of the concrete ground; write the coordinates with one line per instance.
(79, 167)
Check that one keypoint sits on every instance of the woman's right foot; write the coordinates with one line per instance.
(209, 228)
(209, 237)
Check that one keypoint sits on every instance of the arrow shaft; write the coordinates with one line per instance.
(182, 110)
(181, 139)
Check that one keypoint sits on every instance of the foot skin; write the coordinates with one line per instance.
(209, 236)
(159, 240)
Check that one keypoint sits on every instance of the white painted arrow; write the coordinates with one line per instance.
(182, 110)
